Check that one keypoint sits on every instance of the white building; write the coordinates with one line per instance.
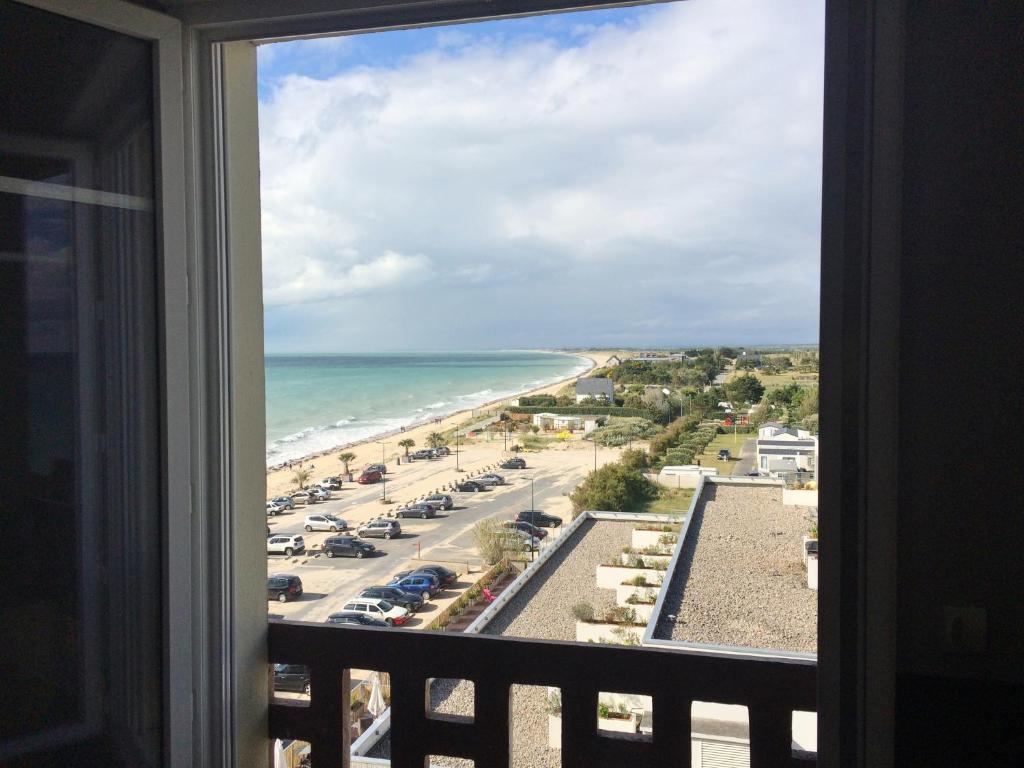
(599, 389)
(781, 450)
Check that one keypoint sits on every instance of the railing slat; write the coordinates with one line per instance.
(771, 736)
(330, 712)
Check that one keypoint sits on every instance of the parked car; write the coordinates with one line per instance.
(305, 497)
(408, 600)
(284, 587)
(348, 546)
(442, 450)
(440, 500)
(422, 511)
(377, 608)
(353, 617)
(332, 483)
(382, 468)
(527, 541)
(529, 528)
(539, 518)
(385, 529)
(274, 509)
(321, 494)
(291, 677)
(491, 479)
(325, 523)
(724, 455)
(370, 476)
(423, 584)
(424, 453)
(446, 576)
(514, 463)
(470, 486)
(285, 502)
(285, 545)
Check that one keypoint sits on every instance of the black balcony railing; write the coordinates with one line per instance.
(771, 689)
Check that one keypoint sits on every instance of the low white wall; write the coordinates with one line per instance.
(642, 539)
(596, 633)
(800, 498)
(812, 572)
(369, 738)
(648, 559)
(643, 611)
(624, 591)
(677, 480)
(611, 576)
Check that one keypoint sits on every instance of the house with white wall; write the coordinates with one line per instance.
(599, 389)
(781, 450)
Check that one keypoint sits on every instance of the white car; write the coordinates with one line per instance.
(378, 608)
(491, 478)
(280, 544)
(325, 523)
(331, 483)
(274, 508)
(529, 542)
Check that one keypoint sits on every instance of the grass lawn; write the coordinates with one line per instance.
(671, 501)
(780, 380)
(728, 441)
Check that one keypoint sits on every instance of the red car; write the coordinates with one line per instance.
(370, 476)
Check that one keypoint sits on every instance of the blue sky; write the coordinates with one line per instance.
(638, 177)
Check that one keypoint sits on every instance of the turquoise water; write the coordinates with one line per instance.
(320, 402)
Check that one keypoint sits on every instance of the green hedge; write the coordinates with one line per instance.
(580, 410)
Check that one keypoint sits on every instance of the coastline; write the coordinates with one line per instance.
(441, 422)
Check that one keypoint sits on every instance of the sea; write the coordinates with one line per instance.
(319, 402)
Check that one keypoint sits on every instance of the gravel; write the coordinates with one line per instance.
(543, 611)
(740, 579)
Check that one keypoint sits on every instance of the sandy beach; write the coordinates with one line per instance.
(280, 480)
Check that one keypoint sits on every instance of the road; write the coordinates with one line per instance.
(747, 459)
(448, 538)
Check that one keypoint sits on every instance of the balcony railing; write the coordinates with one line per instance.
(771, 689)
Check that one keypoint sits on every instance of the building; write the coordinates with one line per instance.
(781, 451)
(598, 389)
(613, 361)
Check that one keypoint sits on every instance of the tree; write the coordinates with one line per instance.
(635, 459)
(301, 477)
(345, 458)
(613, 488)
(745, 389)
(435, 440)
(407, 443)
(494, 541)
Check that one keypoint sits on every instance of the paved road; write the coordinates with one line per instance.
(329, 583)
(748, 458)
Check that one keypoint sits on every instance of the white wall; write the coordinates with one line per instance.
(800, 498)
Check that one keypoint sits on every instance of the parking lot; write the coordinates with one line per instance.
(328, 583)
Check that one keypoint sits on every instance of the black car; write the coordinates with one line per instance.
(354, 617)
(445, 576)
(284, 587)
(442, 450)
(514, 463)
(348, 546)
(422, 511)
(425, 453)
(539, 518)
(724, 455)
(291, 677)
(470, 486)
(525, 527)
(408, 600)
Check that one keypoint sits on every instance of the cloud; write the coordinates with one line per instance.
(655, 173)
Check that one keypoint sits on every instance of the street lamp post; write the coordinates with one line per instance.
(456, 447)
(383, 475)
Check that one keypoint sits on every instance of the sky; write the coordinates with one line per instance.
(647, 176)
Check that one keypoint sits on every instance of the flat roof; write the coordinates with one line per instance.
(740, 578)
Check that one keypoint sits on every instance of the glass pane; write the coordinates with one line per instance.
(79, 415)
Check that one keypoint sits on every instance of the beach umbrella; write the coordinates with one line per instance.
(376, 705)
(280, 761)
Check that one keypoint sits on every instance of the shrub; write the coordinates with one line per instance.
(583, 612)
(638, 581)
(554, 702)
(620, 431)
(620, 614)
(603, 710)
(613, 487)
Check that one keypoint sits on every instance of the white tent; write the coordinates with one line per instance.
(280, 761)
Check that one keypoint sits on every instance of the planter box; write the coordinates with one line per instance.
(643, 610)
(619, 724)
(554, 732)
(629, 700)
(643, 539)
(611, 576)
(625, 591)
(648, 559)
(587, 632)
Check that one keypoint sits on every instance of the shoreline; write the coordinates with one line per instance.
(588, 356)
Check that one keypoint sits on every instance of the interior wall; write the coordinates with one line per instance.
(961, 518)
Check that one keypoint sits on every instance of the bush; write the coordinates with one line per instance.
(613, 487)
(620, 614)
(635, 459)
(583, 612)
(620, 431)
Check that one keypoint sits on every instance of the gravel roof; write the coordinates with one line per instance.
(543, 610)
(740, 579)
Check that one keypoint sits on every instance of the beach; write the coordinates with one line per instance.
(369, 450)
